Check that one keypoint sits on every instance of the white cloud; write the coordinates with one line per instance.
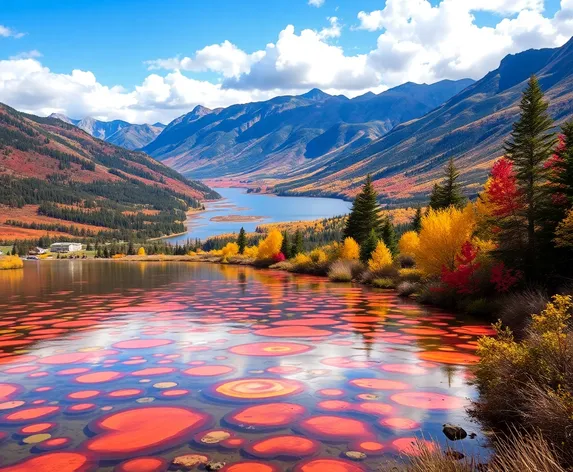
(6, 32)
(33, 54)
(316, 3)
(225, 58)
(333, 31)
(421, 42)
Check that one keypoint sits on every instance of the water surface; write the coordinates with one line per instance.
(274, 209)
(103, 362)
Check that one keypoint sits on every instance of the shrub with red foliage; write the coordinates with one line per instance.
(279, 257)
(504, 278)
(463, 278)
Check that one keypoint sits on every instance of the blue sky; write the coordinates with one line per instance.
(113, 39)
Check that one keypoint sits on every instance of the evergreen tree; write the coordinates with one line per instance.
(369, 246)
(448, 192)
(242, 241)
(14, 250)
(531, 145)
(388, 235)
(364, 216)
(286, 246)
(297, 245)
(561, 175)
(417, 221)
(130, 249)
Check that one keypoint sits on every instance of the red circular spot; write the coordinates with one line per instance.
(29, 415)
(428, 401)
(53, 443)
(143, 464)
(331, 392)
(399, 423)
(83, 394)
(270, 349)
(80, 408)
(327, 465)
(138, 431)
(7, 391)
(153, 371)
(99, 377)
(334, 428)
(174, 393)
(266, 417)
(54, 461)
(124, 393)
(37, 428)
(412, 446)
(250, 466)
(284, 447)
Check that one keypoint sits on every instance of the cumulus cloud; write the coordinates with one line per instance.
(423, 42)
(6, 32)
(412, 40)
(225, 58)
(316, 3)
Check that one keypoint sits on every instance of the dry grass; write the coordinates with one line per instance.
(341, 271)
(512, 453)
(517, 453)
(518, 307)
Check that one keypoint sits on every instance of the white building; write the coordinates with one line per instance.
(66, 247)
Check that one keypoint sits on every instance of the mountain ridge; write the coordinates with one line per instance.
(121, 133)
(278, 137)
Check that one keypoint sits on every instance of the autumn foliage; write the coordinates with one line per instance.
(270, 246)
(443, 234)
(381, 257)
(350, 250)
(11, 262)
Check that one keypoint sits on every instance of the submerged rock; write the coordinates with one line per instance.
(189, 461)
(211, 466)
(355, 455)
(454, 433)
(455, 455)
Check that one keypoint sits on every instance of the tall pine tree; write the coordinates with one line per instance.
(297, 245)
(529, 148)
(449, 191)
(286, 246)
(242, 241)
(369, 246)
(417, 221)
(365, 214)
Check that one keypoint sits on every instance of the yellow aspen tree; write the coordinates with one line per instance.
(381, 257)
(350, 250)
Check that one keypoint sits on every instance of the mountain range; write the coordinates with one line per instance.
(285, 135)
(317, 144)
(56, 178)
(118, 132)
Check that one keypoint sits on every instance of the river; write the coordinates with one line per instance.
(110, 361)
(270, 208)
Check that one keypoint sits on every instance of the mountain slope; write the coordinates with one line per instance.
(118, 132)
(286, 135)
(65, 177)
(471, 127)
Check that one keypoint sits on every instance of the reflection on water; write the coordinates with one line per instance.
(105, 362)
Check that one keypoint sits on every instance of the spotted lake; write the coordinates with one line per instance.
(126, 366)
